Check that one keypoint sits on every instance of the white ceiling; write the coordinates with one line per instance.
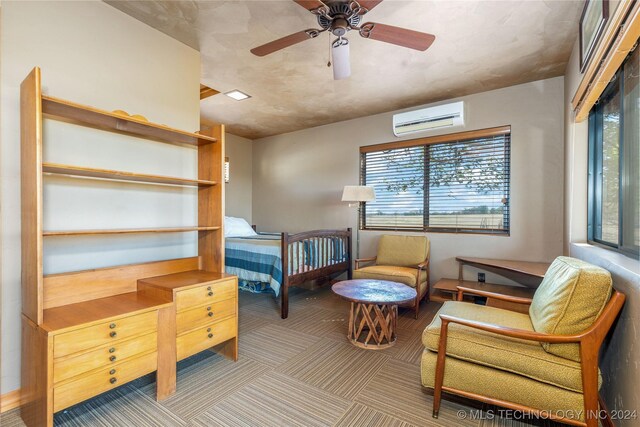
(480, 45)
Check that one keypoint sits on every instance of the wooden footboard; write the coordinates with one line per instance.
(313, 255)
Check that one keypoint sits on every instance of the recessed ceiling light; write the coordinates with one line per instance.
(237, 95)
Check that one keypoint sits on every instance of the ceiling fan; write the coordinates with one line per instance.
(339, 17)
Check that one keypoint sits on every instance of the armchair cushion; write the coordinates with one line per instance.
(526, 358)
(570, 298)
(403, 251)
(405, 275)
(502, 385)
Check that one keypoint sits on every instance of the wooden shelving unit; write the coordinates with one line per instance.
(78, 171)
(86, 332)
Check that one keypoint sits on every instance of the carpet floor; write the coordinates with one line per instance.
(295, 372)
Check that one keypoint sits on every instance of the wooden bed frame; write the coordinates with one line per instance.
(320, 269)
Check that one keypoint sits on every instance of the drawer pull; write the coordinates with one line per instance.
(113, 380)
(210, 335)
(210, 294)
(111, 326)
(112, 358)
(210, 314)
(111, 372)
(208, 308)
(113, 334)
(112, 349)
(208, 329)
(208, 288)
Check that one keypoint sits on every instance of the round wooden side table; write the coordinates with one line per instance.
(374, 310)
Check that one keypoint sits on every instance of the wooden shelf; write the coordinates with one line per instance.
(89, 116)
(58, 319)
(59, 169)
(184, 280)
(126, 231)
(449, 286)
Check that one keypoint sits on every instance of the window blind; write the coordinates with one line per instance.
(461, 185)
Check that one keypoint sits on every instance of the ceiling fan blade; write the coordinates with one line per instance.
(310, 4)
(369, 4)
(287, 41)
(396, 35)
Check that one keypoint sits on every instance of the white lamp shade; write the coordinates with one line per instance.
(341, 61)
(358, 193)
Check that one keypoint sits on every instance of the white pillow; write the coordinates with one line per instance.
(237, 227)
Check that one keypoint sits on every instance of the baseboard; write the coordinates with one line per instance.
(9, 401)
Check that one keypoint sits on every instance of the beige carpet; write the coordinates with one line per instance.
(295, 372)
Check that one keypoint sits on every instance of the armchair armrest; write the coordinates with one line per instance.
(509, 332)
(364, 260)
(519, 300)
(423, 265)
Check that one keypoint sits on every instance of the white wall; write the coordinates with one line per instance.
(576, 155)
(619, 358)
(93, 54)
(238, 191)
(298, 177)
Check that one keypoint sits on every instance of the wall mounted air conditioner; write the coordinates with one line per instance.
(431, 118)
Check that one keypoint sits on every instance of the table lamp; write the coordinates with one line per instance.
(359, 194)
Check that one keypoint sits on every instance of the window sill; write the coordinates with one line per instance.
(613, 261)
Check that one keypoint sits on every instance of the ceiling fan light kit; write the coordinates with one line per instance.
(340, 57)
(339, 17)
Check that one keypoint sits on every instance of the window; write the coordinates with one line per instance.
(456, 183)
(614, 162)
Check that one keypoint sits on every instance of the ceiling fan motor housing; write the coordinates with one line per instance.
(339, 19)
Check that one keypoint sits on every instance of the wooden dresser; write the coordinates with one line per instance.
(92, 354)
(87, 332)
(206, 307)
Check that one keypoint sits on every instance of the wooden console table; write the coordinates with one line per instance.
(527, 273)
(524, 272)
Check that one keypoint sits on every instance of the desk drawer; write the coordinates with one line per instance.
(104, 333)
(205, 314)
(205, 337)
(92, 384)
(208, 293)
(103, 357)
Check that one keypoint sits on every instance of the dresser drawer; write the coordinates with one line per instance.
(202, 338)
(94, 383)
(104, 333)
(103, 357)
(205, 314)
(206, 294)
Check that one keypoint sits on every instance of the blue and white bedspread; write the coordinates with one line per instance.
(257, 262)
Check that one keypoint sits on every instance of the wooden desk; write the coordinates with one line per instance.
(446, 290)
(524, 272)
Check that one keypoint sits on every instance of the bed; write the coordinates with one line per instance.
(273, 262)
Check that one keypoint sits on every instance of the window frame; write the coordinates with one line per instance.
(594, 168)
(427, 142)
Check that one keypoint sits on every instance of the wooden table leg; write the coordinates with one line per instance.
(373, 326)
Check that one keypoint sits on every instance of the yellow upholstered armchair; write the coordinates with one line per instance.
(544, 363)
(403, 259)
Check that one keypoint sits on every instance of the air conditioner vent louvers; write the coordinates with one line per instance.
(429, 118)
